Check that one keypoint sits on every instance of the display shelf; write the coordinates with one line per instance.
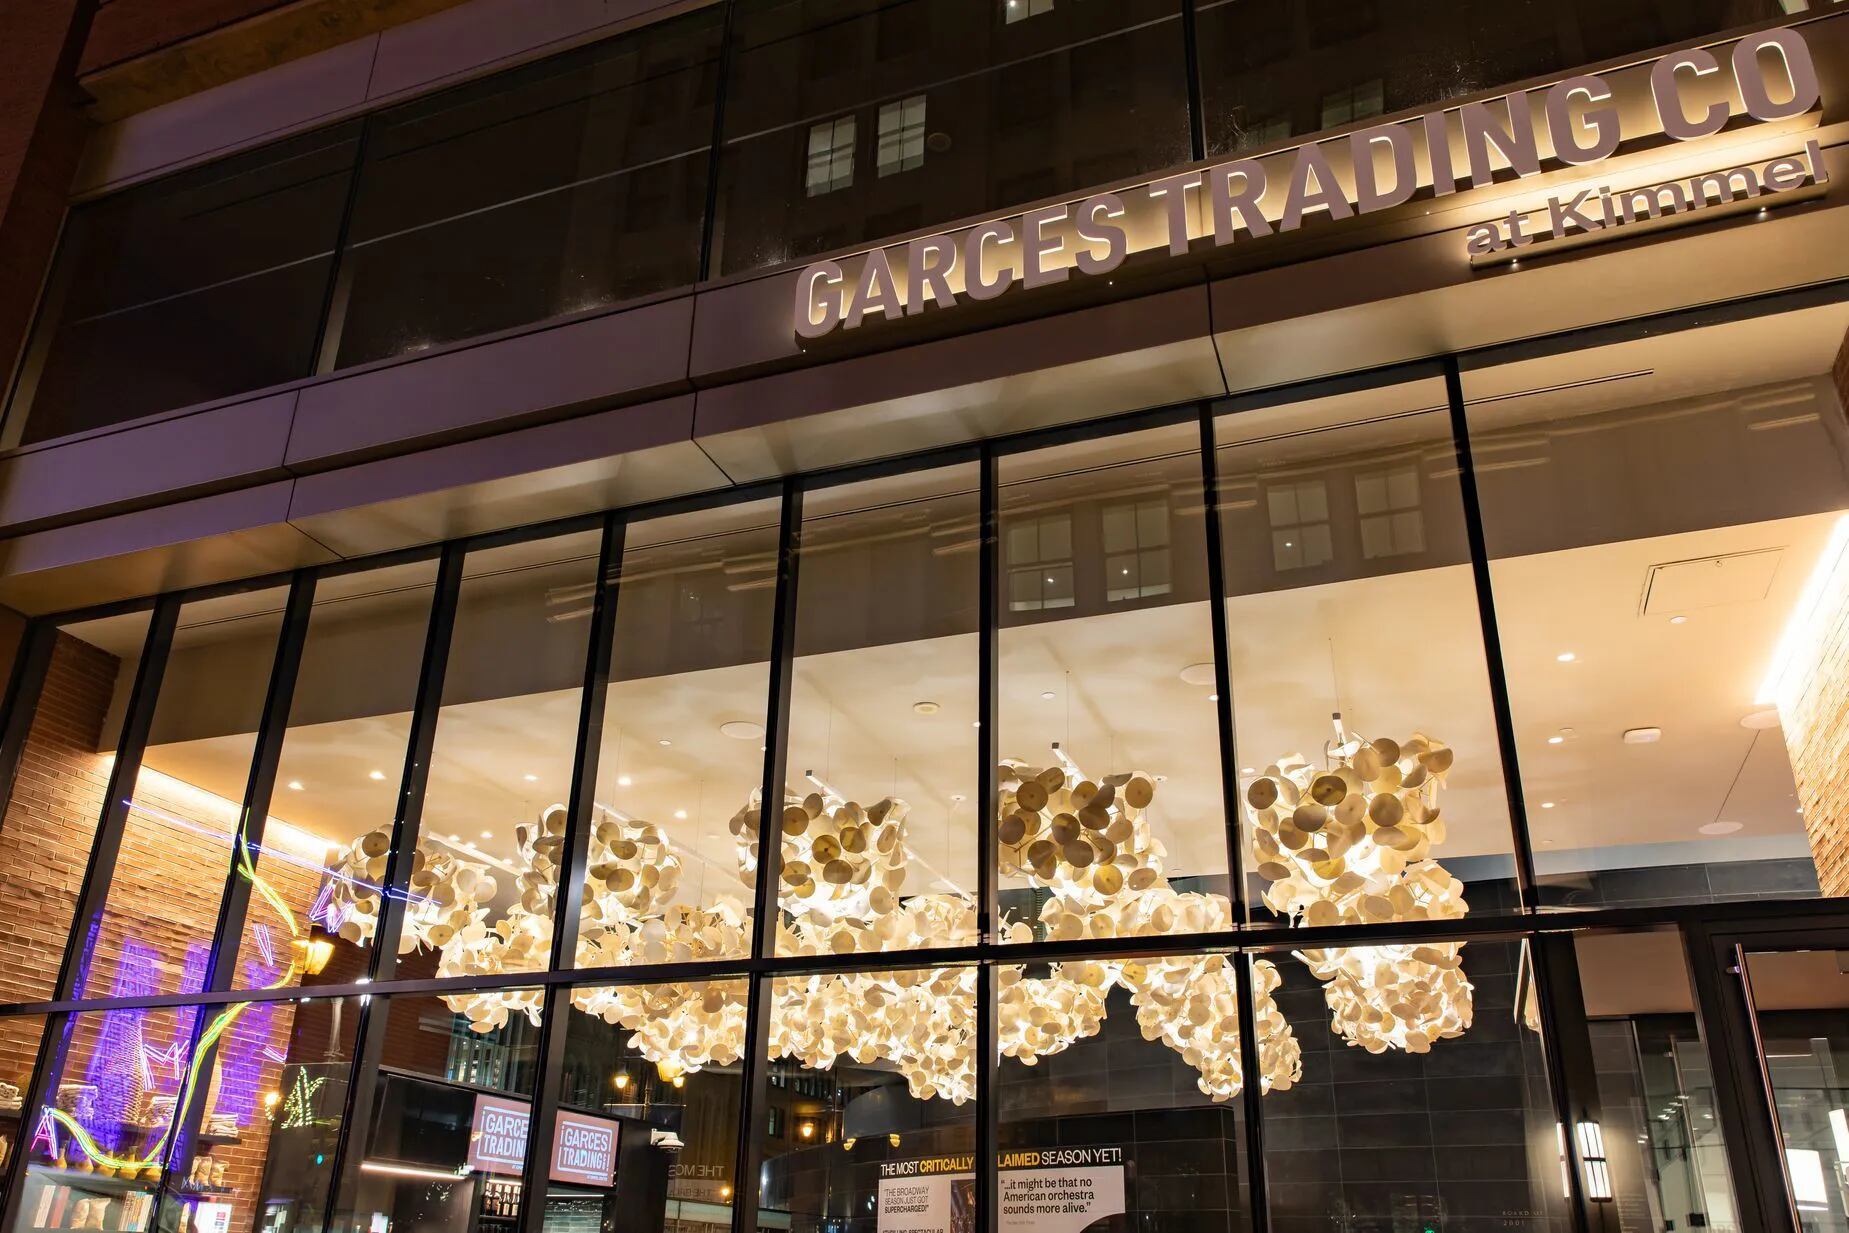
(78, 1179)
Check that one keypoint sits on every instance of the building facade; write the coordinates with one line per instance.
(1279, 570)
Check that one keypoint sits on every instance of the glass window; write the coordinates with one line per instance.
(447, 1134)
(1667, 522)
(831, 155)
(493, 824)
(1111, 814)
(873, 1089)
(568, 185)
(338, 779)
(1273, 67)
(20, 1038)
(255, 1154)
(1652, 1095)
(185, 814)
(649, 1106)
(1369, 763)
(1039, 558)
(1423, 1103)
(681, 763)
(879, 813)
(1003, 109)
(195, 287)
(120, 1083)
(57, 798)
(1118, 1093)
(1797, 1003)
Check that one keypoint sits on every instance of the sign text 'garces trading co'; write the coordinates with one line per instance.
(1578, 115)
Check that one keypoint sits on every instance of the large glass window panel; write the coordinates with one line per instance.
(872, 1093)
(446, 1138)
(485, 874)
(195, 287)
(1118, 1096)
(649, 1109)
(20, 1037)
(121, 1082)
(1423, 1102)
(338, 779)
(879, 814)
(1111, 815)
(857, 119)
(1370, 775)
(1274, 69)
(1666, 522)
(1798, 999)
(1659, 1124)
(57, 797)
(186, 808)
(254, 1153)
(573, 184)
(682, 754)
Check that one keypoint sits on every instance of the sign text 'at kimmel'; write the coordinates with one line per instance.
(1578, 115)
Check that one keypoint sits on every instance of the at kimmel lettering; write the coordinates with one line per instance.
(1593, 210)
(1573, 123)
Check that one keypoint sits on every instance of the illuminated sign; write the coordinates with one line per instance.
(1578, 117)
(583, 1148)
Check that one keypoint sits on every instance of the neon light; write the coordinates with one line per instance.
(264, 946)
(299, 1107)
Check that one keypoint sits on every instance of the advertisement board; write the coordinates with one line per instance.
(1052, 1190)
(583, 1148)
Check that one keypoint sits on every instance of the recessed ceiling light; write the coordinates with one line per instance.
(976, 723)
(1759, 721)
(1247, 770)
(1678, 620)
(1721, 828)
(376, 775)
(925, 708)
(295, 785)
(623, 781)
(1213, 697)
(531, 778)
(1566, 657)
(1643, 736)
(1197, 674)
(1556, 740)
(742, 730)
(681, 814)
(664, 742)
(487, 834)
(1547, 804)
(1048, 696)
(455, 838)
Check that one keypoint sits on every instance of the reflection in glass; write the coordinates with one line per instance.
(1136, 1068)
(878, 816)
(1427, 1112)
(20, 1037)
(46, 836)
(1798, 1002)
(185, 812)
(872, 1093)
(1667, 522)
(1110, 818)
(120, 1079)
(253, 1156)
(1370, 772)
(651, 1135)
(683, 740)
(447, 1135)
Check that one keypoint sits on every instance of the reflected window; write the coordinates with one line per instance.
(1136, 550)
(1021, 10)
(902, 135)
(1299, 513)
(831, 155)
(1351, 103)
(1389, 504)
(1667, 522)
(1039, 554)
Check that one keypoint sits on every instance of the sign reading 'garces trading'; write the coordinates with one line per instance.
(1578, 117)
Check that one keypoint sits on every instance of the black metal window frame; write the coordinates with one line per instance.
(1745, 1118)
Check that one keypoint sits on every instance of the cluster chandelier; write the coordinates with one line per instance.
(1348, 843)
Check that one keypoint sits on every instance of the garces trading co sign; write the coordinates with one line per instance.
(1578, 115)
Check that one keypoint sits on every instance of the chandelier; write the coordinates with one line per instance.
(1348, 843)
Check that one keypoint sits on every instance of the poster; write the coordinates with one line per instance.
(1052, 1190)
